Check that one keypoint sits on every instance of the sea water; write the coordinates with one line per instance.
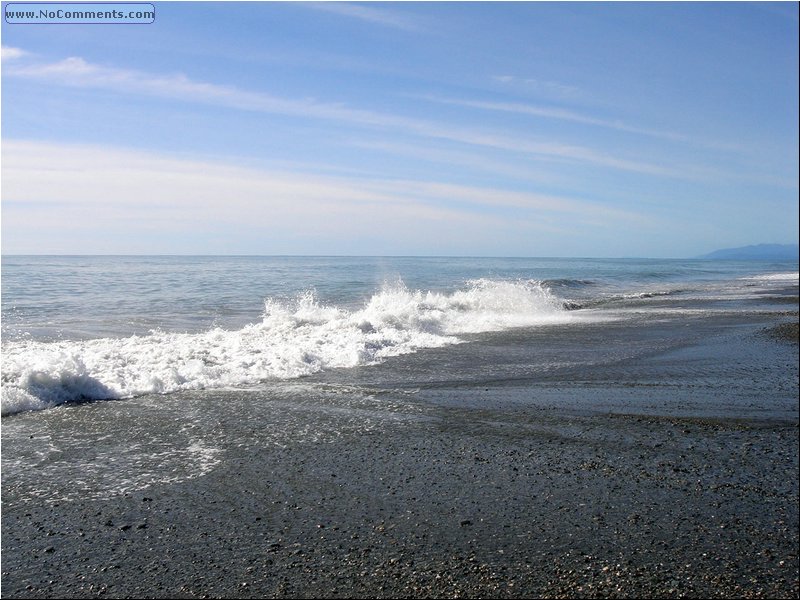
(76, 328)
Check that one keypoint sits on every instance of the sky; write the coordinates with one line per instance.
(404, 128)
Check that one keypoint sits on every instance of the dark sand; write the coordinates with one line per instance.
(450, 495)
(786, 331)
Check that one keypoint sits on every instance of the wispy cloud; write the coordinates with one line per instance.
(553, 89)
(476, 161)
(76, 72)
(541, 203)
(136, 195)
(558, 113)
(548, 112)
(378, 16)
(10, 53)
(562, 92)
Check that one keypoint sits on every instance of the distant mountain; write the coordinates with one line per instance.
(759, 252)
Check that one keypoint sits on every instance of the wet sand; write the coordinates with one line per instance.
(520, 494)
(788, 332)
(470, 504)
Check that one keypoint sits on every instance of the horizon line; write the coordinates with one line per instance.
(463, 256)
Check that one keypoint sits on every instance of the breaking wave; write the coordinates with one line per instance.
(775, 277)
(294, 338)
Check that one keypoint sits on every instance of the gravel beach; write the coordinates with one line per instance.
(510, 489)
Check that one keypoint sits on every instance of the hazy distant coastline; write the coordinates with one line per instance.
(758, 252)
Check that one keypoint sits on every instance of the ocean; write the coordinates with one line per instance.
(186, 427)
(95, 328)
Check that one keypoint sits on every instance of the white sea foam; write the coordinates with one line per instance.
(776, 277)
(293, 339)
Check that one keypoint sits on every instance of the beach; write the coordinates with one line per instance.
(671, 474)
(399, 300)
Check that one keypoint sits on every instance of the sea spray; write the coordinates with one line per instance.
(293, 339)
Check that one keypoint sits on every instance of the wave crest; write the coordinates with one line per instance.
(294, 338)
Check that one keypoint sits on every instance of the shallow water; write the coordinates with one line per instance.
(96, 328)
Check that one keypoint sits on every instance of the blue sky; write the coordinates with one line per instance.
(407, 128)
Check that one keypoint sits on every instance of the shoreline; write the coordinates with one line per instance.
(611, 486)
(619, 505)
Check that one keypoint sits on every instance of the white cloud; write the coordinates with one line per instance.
(77, 72)
(370, 14)
(74, 198)
(560, 114)
(569, 115)
(541, 203)
(9, 53)
(552, 89)
(476, 161)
